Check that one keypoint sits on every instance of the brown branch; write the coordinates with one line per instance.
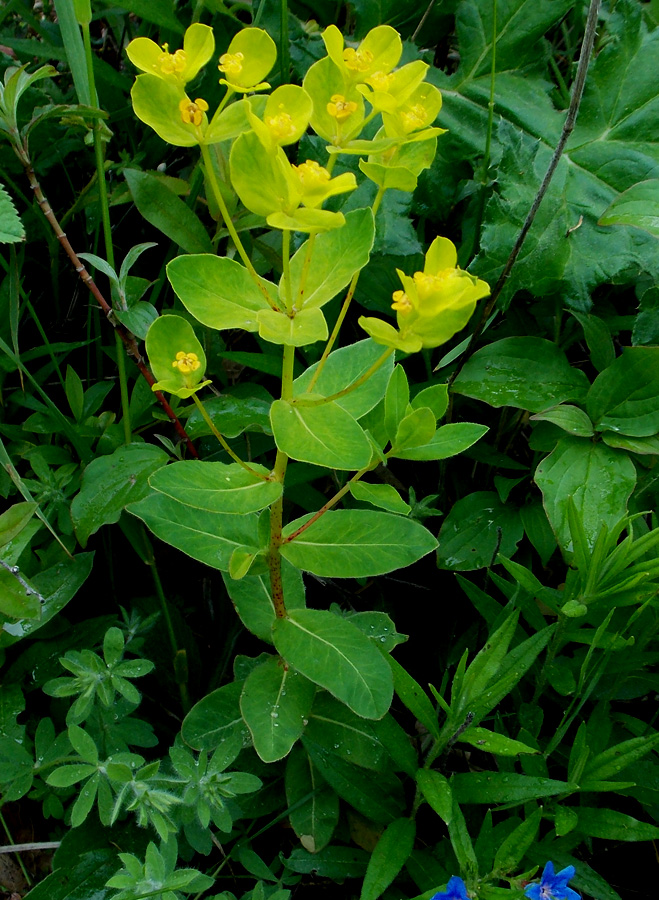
(568, 126)
(127, 338)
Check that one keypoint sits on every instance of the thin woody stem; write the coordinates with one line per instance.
(126, 337)
(568, 126)
(330, 503)
(207, 419)
(301, 401)
(277, 508)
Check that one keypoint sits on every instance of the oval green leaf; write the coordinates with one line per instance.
(216, 487)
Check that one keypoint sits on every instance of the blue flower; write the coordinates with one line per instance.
(456, 889)
(553, 886)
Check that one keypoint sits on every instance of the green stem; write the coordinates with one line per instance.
(490, 105)
(228, 221)
(277, 508)
(176, 650)
(344, 309)
(207, 419)
(286, 267)
(284, 50)
(299, 300)
(107, 228)
(302, 401)
(18, 856)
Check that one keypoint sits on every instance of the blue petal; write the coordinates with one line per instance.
(457, 889)
(533, 891)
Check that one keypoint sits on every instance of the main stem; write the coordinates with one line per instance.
(277, 508)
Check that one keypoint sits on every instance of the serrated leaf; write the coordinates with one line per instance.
(11, 227)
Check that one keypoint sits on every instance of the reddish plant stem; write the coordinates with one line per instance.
(127, 338)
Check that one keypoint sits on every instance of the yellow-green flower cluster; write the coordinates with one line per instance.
(434, 304)
(339, 84)
(159, 95)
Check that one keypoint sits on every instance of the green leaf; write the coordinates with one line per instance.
(447, 441)
(437, 792)
(138, 318)
(208, 537)
(612, 825)
(214, 719)
(435, 397)
(498, 375)
(376, 795)
(343, 368)
(218, 291)
(307, 327)
(325, 435)
(337, 255)
(478, 527)
(612, 147)
(461, 842)
(569, 418)
(65, 776)
(233, 413)
(396, 401)
(617, 758)
(57, 585)
(216, 487)
(157, 11)
(414, 697)
(512, 850)
(637, 206)
(414, 430)
(314, 806)
(335, 862)
(597, 479)
(109, 483)
(625, 397)
(333, 726)
(16, 600)
(336, 655)
(163, 209)
(383, 495)
(14, 520)
(355, 543)
(252, 598)
(275, 703)
(388, 858)
(504, 787)
(87, 878)
(491, 742)
(11, 227)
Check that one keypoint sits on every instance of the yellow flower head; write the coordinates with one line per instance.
(401, 302)
(380, 81)
(231, 64)
(281, 126)
(186, 362)
(414, 118)
(340, 108)
(311, 174)
(357, 60)
(172, 63)
(192, 112)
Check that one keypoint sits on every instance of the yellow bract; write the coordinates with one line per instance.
(434, 305)
(180, 66)
(186, 362)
